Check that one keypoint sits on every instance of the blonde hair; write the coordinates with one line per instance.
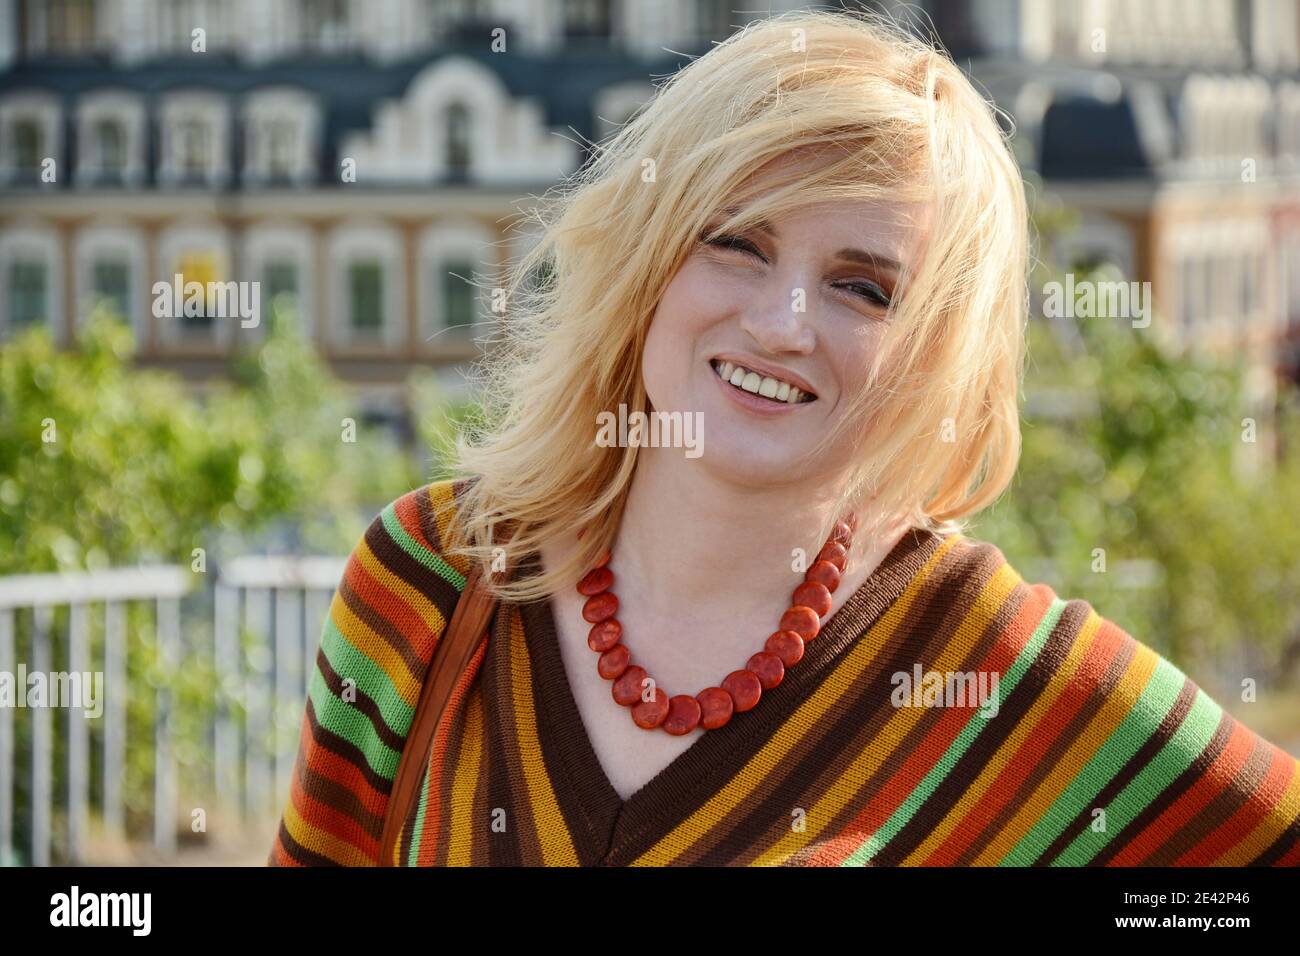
(937, 431)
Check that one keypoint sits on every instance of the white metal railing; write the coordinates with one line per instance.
(42, 593)
(268, 614)
(285, 601)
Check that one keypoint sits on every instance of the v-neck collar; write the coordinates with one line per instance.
(617, 830)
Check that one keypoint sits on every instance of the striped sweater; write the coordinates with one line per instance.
(1087, 747)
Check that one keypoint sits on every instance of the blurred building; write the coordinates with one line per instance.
(1173, 126)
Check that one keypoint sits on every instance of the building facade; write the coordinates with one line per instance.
(368, 158)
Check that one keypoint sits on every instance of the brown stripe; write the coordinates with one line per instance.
(338, 797)
(1055, 650)
(1280, 847)
(503, 750)
(458, 747)
(1113, 787)
(948, 593)
(590, 835)
(1165, 731)
(299, 853)
(345, 749)
(727, 841)
(1236, 791)
(1062, 745)
(364, 702)
(820, 759)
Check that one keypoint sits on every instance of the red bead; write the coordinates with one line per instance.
(684, 713)
(813, 595)
(802, 620)
(836, 554)
(600, 608)
(768, 667)
(597, 580)
(605, 635)
(627, 689)
(841, 533)
(825, 574)
(650, 714)
(744, 687)
(614, 662)
(603, 559)
(786, 645)
(716, 706)
(851, 519)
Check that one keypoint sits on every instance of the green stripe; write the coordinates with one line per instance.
(1174, 758)
(419, 552)
(974, 727)
(414, 853)
(1148, 710)
(343, 718)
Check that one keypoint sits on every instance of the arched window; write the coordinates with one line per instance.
(110, 148)
(27, 146)
(458, 141)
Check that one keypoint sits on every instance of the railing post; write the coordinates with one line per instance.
(42, 742)
(164, 830)
(288, 679)
(257, 767)
(115, 693)
(78, 734)
(225, 738)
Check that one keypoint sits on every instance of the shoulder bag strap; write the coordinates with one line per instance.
(451, 657)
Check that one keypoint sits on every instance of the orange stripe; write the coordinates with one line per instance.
(992, 789)
(1265, 800)
(433, 810)
(1209, 784)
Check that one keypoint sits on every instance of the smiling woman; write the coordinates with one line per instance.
(814, 238)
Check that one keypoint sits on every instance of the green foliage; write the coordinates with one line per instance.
(1157, 465)
(103, 464)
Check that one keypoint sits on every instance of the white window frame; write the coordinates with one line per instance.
(32, 241)
(122, 242)
(440, 245)
(173, 244)
(119, 106)
(42, 108)
(349, 242)
(282, 105)
(275, 242)
(207, 107)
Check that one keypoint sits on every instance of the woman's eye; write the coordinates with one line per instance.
(870, 291)
(738, 243)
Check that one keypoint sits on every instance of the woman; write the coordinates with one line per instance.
(775, 646)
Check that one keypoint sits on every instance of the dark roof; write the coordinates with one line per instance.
(349, 87)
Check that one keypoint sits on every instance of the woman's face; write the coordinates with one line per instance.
(801, 303)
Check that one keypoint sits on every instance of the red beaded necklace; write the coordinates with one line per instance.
(740, 690)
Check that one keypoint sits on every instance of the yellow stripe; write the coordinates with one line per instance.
(548, 822)
(1271, 827)
(465, 786)
(321, 841)
(440, 497)
(844, 676)
(1117, 706)
(365, 640)
(401, 588)
(870, 759)
(1021, 734)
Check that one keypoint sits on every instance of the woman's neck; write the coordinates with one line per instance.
(689, 538)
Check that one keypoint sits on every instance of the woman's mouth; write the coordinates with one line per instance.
(774, 390)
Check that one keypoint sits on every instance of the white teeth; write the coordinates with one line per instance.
(764, 385)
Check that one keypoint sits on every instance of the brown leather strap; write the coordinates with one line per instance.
(451, 657)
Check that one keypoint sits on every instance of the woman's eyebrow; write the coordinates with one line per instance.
(848, 254)
(870, 259)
